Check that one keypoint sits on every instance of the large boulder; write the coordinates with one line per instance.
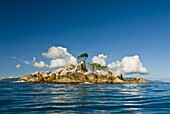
(65, 80)
(102, 80)
(88, 72)
(102, 73)
(80, 67)
(118, 81)
(64, 72)
(136, 80)
(91, 77)
(139, 80)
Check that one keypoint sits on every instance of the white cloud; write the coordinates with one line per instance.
(100, 59)
(13, 57)
(27, 62)
(62, 62)
(16, 58)
(60, 58)
(58, 63)
(34, 59)
(18, 66)
(40, 64)
(128, 65)
(56, 52)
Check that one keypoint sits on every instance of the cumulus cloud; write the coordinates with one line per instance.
(59, 56)
(56, 52)
(61, 62)
(18, 66)
(128, 65)
(100, 59)
(40, 64)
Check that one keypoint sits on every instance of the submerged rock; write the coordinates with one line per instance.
(79, 74)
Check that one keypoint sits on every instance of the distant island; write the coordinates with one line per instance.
(78, 73)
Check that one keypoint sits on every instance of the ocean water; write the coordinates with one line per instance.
(150, 98)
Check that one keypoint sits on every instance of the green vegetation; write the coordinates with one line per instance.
(93, 66)
(110, 72)
(97, 66)
(82, 57)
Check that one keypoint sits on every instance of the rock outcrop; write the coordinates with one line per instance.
(78, 73)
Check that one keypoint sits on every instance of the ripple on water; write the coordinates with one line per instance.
(89, 98)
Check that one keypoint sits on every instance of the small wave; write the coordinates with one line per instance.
(10, 78)
(84, 98)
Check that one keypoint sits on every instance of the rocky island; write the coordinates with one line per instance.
(75, 74)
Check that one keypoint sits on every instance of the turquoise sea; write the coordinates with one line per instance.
(26, 98)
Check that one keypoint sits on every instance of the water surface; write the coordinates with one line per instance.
(17, 97)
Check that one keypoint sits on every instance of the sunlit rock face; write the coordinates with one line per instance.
(78, 73)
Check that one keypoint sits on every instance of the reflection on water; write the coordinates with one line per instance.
(131, 89)
(134, 90)
(82, 96)
(88, 98)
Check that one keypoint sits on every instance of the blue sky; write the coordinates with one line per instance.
(116, 28)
